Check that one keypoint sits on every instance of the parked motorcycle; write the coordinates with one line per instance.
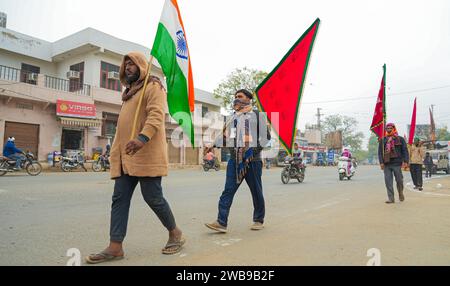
(71, 163)
(29, 163)
(101, 164)
(344, 171)
(293, 169)
(209, 165)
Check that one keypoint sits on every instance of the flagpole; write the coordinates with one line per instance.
(384, 109)
(148, 72)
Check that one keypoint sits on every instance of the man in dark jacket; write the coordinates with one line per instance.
(428, 162)
(393, 156)
(245, 135)
(12, 152)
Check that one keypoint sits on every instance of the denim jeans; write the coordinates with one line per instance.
(253, 179)
(18, 157)
(151, 191)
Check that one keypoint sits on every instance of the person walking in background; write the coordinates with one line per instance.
(416, 157)
(428, 162)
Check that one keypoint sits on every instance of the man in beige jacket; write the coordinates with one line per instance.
(416, 156)
(142, 159)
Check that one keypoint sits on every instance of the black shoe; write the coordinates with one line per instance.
(420, 189)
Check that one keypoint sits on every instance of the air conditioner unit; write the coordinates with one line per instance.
(113, 75)
(32, 76)
(73, 75)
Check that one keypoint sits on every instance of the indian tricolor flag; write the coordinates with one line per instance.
(171, 50)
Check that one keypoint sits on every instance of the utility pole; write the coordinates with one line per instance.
(433, 125)
(318, 117)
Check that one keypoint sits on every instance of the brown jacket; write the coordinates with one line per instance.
(151, 160)
(416, 154)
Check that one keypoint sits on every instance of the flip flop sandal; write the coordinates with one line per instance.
(103, 258)
(173, 247)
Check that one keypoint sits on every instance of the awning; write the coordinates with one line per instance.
(80, 122)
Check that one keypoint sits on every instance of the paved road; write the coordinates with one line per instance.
(319, 222)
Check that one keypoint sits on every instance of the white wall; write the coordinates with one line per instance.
(49, 127)
(89, 72)
(14, 60)
(26, 45)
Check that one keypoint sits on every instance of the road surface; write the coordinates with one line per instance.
(321, 221)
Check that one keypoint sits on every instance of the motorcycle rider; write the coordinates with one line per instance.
(12, 152)
(108, 150)
(210, 158)
(107, 154)
(348, 154)
(297, 156)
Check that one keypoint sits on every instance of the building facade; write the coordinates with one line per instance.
(65, 96)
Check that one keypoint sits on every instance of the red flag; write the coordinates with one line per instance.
(412, 128)
(433, 127)
(281, 91)
(379, 116)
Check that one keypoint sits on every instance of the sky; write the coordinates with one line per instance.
(355, 39)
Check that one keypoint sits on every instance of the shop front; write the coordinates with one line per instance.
(77, 119)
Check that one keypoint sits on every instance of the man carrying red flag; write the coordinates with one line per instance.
(393, 156)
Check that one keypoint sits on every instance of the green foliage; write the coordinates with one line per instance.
(347, 125)
(244, 78)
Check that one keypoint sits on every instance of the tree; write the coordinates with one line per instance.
(372, 146)
(238, 79)
(442, 134)
(361, 155)
(345, 124)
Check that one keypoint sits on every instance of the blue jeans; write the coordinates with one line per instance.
(253, 179)
(151, 191)
(18, 159)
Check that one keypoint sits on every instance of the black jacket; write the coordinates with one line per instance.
(257, 123)
(400, 156)
(428, 161)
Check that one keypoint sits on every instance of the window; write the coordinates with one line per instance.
(106, 82)
(76, 84)
(28, 73)
(109, 124)
(204, 110)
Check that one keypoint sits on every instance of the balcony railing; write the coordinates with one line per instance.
(67, 85)
(13, 74)
(18, 75)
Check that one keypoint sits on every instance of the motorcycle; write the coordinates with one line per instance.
(343, 169)
(28, 163)
(293, 169)
(77, 161)
(208, 165)
(101, 164)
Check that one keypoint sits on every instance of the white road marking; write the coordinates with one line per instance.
(330, 204)
(227, 242)
(409, 184)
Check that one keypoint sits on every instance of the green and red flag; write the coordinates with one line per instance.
(412, 127)
(280, 92)
(171, 50)
(379, 116)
